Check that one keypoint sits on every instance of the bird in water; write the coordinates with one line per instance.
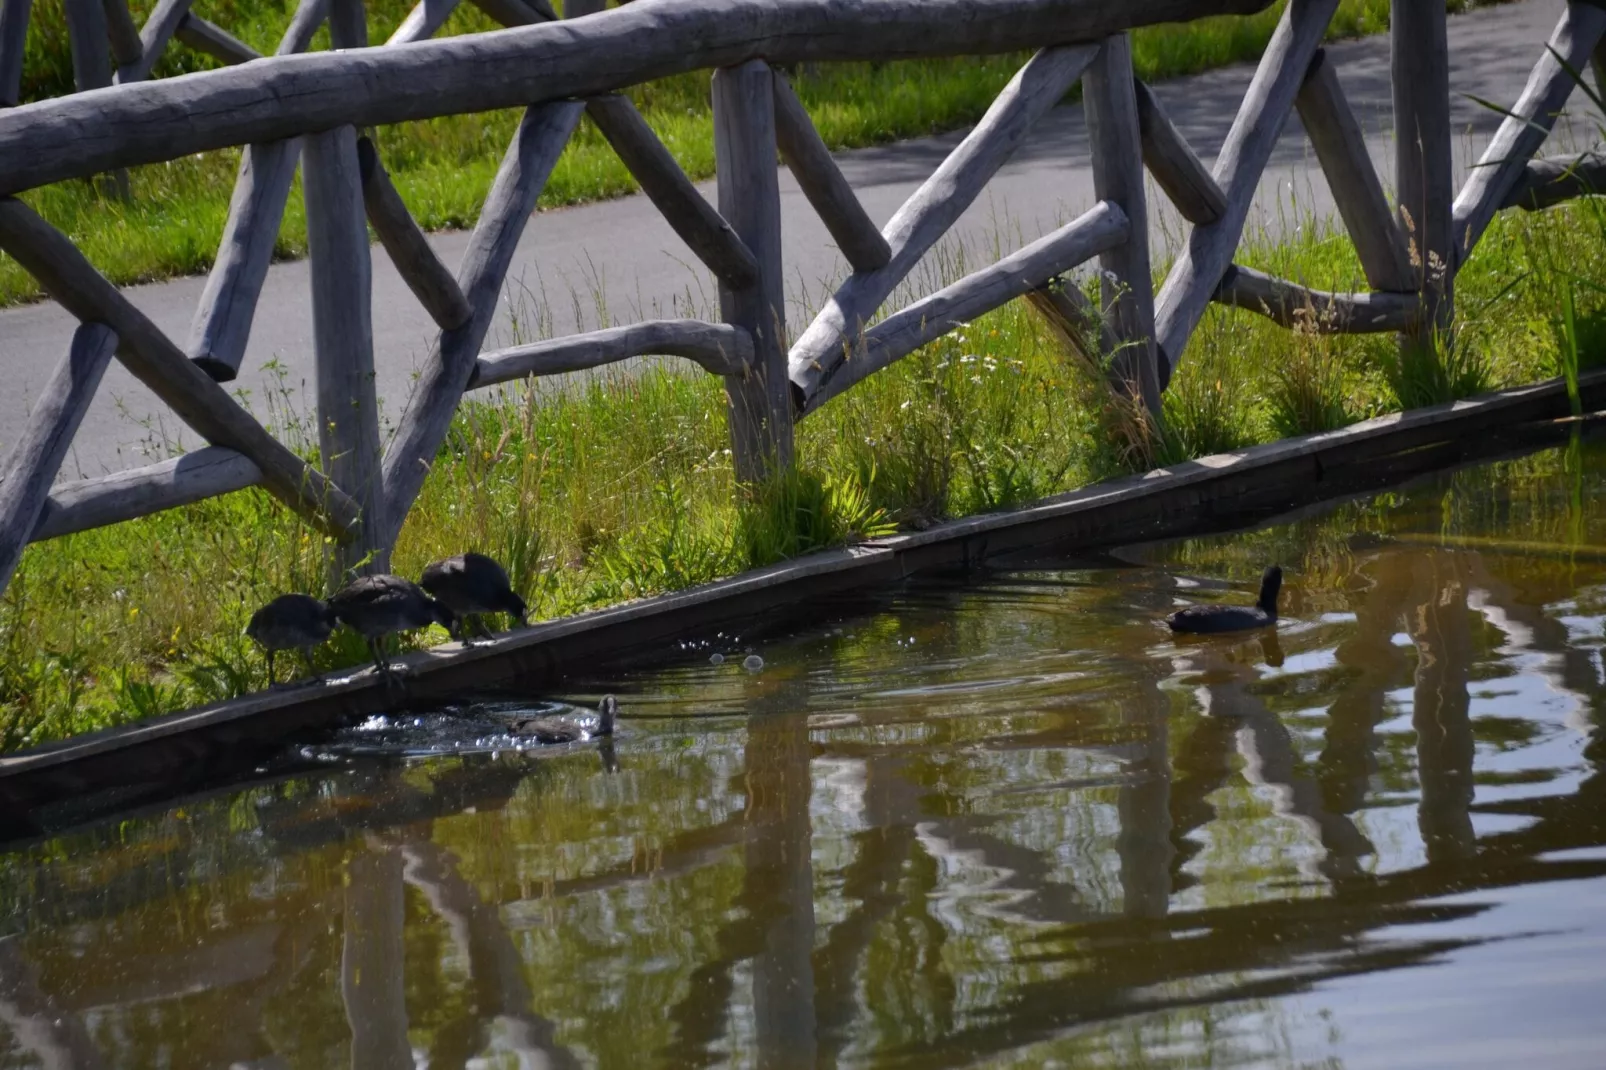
(292, 622)
(1214, 619)
(377, 606)
(469, 585)
(567, 729)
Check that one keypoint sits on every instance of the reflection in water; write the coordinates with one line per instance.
(1005, 820)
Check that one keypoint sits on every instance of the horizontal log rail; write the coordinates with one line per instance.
(718, 348)
(284, 96)
(1548, 182)
(1302, 309)
(903, 332)
(92, 503)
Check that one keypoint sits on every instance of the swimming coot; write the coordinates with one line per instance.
(291, 622)
(563, 729)
(470, 584)
(377, 606)
(1212, 619)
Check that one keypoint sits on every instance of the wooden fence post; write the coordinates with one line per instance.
(92, 69)
(13, 43)
(1110, 101)
(343, 338)
(745, 156)
(1420, 68)
(348, 24)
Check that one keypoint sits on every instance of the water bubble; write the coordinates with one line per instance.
(716, 659)
(753, 663)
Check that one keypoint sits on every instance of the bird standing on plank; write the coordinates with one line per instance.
(292, 622)
(378, 606)
(470, 585)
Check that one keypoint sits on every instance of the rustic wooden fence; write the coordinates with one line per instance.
(310, 109)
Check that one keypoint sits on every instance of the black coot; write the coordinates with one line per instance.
(291, 622)
(471, 584)
(1212, 619)
(562, 729)
(377, 606)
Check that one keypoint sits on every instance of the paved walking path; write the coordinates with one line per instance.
(620, 255)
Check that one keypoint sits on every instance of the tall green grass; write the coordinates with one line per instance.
(443, 167)
(621, 487)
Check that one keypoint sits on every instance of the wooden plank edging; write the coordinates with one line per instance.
(97, 758)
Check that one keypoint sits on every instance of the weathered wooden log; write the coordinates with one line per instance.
(1175, 166)
(1080, 327)
(934, 207)
(343, 339)
(222, 324)
(1419, 65)
(1110, 103)
(214, 40)
(822, 183)
(1316, 311)
(760, 413)
(14, 16)
(87, 33)
(1340, 146)
(348, 24)
(718, 347)
(1103, 227)
(1501, 168)
(36, 456)
(542, 134)
(153, 37)
(1555, 179)
(63, 138)
(574, 9)
(422, 271)
(123, 34)
(64, 274)
(92, 69)
(702, 228)
(426, 17)
(303, 27)
(517, 12)
(94, 503)
(1208, 253)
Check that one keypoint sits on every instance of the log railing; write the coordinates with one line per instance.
(309, 110)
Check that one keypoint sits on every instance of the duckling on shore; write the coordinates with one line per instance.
(1210, 620)
(469, 585)
(377, 606)
(568, 729)
(292, 622)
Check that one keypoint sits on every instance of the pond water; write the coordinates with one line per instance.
(1006, 820)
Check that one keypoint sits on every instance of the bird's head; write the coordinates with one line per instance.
(608, 711)
(1271, 582)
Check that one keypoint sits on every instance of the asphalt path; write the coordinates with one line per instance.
(618, 261)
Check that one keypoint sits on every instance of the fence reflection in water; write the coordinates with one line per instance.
(945, 823)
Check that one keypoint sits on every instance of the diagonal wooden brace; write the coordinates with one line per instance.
(64, 273)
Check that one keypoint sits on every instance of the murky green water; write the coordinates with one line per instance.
(1011, 823)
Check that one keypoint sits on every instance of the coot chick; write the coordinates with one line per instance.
(292, 622)
(377, 606)
(470, 584)
(563, 729)
(1214, 619)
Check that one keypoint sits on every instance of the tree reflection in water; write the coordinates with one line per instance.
(1003, 816)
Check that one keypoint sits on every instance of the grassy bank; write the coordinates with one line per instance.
(623, 487)
(443, 167)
